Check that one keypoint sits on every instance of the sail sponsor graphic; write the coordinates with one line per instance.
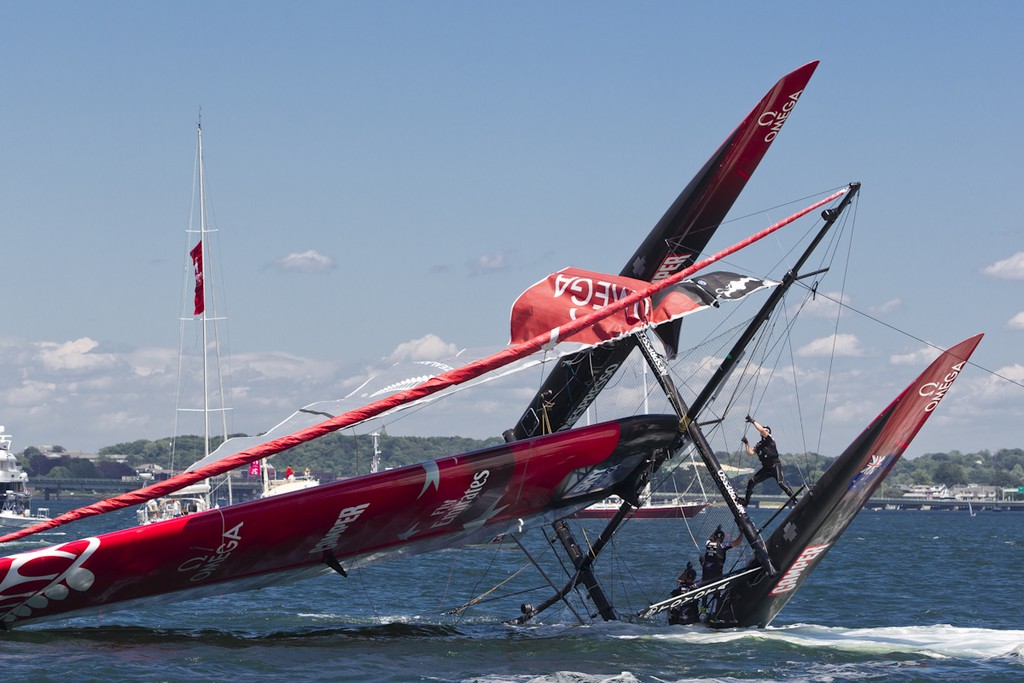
(874, 462)
(34, 579)
(694, 595)
(572, 293)
(451, 509)
(671, 264)
(773, 120)
(868, 472)
(203, 565)
(935, 391)
(791, 578)
(346, 518)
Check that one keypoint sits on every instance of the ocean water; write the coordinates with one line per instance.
(902, 596)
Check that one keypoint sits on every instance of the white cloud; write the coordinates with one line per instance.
(1008, 269)
(825, 304)
(310, 261)
(488, 263)
(29, 393)
(153, 361)
(921, 357)
(995, 388)
(277, 365)
(838, 344)
(430, 347)
(73, 356)
(1016, 322)
(888, 307)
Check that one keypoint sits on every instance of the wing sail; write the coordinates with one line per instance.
(676, 241)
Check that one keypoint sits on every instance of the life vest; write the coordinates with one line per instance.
(766, 451)
(686, 614)
(714, 555)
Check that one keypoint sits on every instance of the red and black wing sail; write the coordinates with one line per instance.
(676, 241)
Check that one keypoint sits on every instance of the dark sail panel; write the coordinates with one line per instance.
(674, 243)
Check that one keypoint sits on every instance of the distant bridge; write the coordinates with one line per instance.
(49, 488)
(948, 504)
(249, 488)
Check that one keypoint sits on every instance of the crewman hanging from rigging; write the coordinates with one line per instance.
(768, 454)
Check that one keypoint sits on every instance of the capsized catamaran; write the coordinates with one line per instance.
(250, 545)
(535, 478)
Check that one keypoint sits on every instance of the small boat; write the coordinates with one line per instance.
(677, 509)
(186, 501)
(290, 483)
(16, 508)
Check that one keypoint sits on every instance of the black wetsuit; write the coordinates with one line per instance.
(685, 614)
(771, 467)
(713, 561)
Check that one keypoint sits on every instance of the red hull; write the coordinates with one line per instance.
(647, 512)
(438, 504)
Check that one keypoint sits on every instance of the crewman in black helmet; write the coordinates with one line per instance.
(712, 562)
(689, 613)
(768, 454)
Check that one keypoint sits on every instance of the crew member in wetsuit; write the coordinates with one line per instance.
(712, 562)
(768, 454)
(690, 613)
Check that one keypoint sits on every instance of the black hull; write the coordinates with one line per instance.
(804, 537)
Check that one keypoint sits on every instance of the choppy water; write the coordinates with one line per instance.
(903, 596)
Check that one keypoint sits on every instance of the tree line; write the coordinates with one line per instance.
(337, 455)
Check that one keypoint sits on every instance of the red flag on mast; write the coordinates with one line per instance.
(197, 263)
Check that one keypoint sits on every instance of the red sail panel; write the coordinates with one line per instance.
(418, 508)
(572, 293)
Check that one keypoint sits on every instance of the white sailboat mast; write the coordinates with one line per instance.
(207, 316)
(203, 319)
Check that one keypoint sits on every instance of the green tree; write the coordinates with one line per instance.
(108, 469)
(40, 465)
(949, 473)
(80, 468)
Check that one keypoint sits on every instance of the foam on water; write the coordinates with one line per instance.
(938, 641)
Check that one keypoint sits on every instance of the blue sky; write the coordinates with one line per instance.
(387, 177)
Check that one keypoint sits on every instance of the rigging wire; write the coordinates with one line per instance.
(835, 330)
(911, 335)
